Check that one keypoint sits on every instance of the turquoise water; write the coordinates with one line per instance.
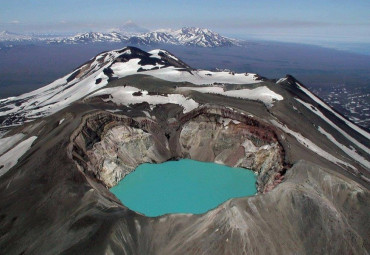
(184, 186)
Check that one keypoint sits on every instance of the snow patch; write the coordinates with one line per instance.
(197, 77)
(281, 80)
(155, 54)
(124, 96)
(8, 142)
(10, 159)
(263, 93)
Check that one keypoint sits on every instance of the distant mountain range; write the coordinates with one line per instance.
(6, 36)
(187, 36)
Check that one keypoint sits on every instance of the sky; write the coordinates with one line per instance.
(298, 21)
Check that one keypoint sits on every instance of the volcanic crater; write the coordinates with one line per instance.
(108, 146)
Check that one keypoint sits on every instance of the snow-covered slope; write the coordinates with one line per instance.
(96, 73)
(10, 158)
(342, 133)
(126, 96)
(91, 79)
(264, 94)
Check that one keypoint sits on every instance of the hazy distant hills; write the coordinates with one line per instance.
(6, 36)
(187, 36)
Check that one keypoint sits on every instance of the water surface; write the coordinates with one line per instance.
(184, 186)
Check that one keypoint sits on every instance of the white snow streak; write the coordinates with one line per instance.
(8, 142)
(350, 152)
(10, 159)
(281, 80)
(310, 145)
(321, 115)
(317, 100)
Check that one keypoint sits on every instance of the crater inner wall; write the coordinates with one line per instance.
(108, 146)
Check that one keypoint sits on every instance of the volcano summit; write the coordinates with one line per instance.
(65, 145)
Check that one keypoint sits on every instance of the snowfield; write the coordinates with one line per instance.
(8, 142)
(10, 158)
(124, 96)
(263, 93)
(155, 54)
(197, 77)
(202, 77)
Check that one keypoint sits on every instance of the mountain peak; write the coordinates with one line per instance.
(187, 36)
(101, 70)
(131, 34)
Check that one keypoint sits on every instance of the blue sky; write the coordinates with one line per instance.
(300, 21)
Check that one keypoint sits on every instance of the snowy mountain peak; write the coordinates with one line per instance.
(187, 36)
(194, 30)
(194, 36)
(91, 37)
(101, 70)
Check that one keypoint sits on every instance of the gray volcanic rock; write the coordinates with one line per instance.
(110, 146)
(312, 164)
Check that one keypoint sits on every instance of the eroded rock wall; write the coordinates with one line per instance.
(109, 146)
(121, 150)
(230, 142)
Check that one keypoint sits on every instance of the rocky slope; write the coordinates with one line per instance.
(83, 133)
